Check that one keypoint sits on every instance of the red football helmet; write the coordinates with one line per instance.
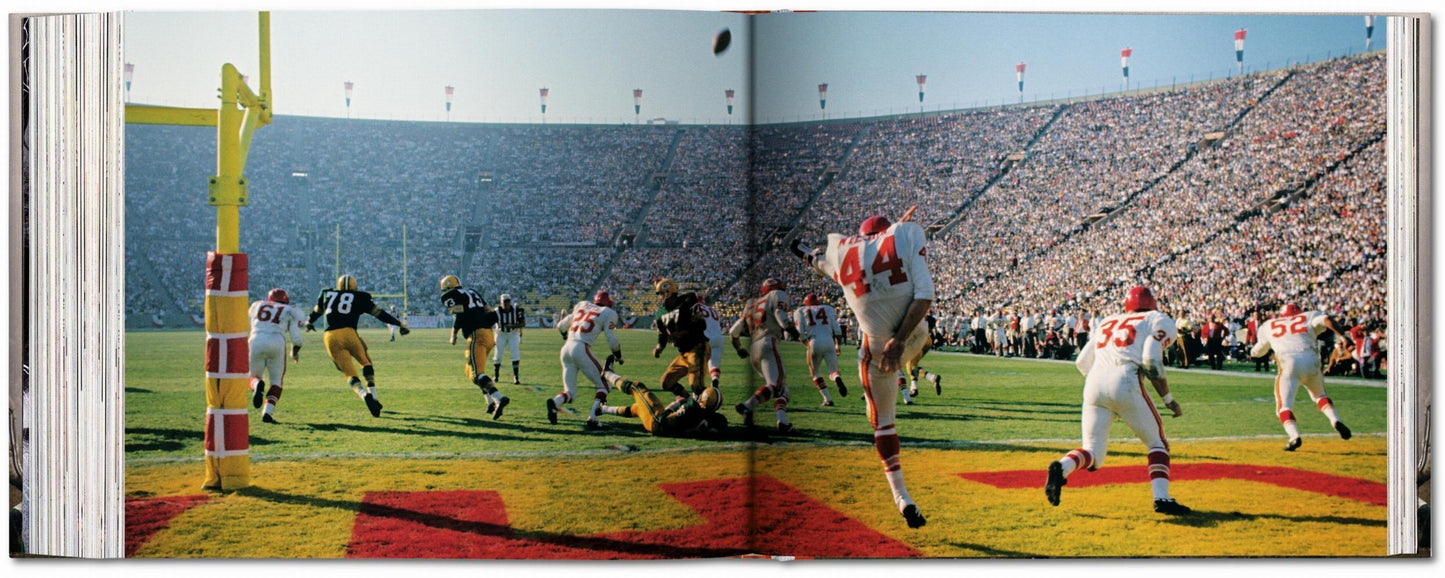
(810, 300)
(278, 296)
(772, 284)
(874, 225)
(1289, 309)
(1140, 299)
(603, 298)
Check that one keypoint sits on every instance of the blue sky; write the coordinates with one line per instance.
(591, 60)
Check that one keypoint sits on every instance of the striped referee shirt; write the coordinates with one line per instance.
(509, 320)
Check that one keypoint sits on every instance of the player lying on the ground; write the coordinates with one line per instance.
(343, 308)
(818, 324)
(888, 287)
(1292, 336)
(271, 320)
(474, 320)
(690, 415)
(765, 320)
(684, 324)
(1128, 348)
(580, 328)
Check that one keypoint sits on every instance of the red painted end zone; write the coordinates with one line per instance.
(146, 516)
(473, 524)
(1328, 484)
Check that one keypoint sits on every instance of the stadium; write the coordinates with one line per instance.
(1237, 195)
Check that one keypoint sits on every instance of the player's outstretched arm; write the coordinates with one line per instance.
(389, 319)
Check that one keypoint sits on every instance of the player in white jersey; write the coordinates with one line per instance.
(715, 335)
(1292, 336)
(819, 326)
(1127, 350)
(581, 328)
(887, 285)
(271, 320)
(765, 321)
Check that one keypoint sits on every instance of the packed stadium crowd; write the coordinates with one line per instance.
(1041, 208)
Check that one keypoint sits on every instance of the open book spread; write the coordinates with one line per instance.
(633, 285)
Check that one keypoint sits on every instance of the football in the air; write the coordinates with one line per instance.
(721, 42)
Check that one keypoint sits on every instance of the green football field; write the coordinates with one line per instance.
(432, 408)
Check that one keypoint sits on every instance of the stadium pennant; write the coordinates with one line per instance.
(1020, 69)
(543, 92)
(449, 99)
(228, 369)
(637, 101)
(1124, 62)
(922, 81)
(729, 94)
(1369, 33)
(349, 84)
(1239, 48)
(823, 96)
(130, 72)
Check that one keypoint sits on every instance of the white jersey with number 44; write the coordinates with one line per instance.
(271, 318)
(1291, 334)
(587, 321)
(1136, 339)
(880, 274)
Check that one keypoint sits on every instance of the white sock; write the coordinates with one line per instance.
(497, 396)
(1160, 486)
(360, 392)
(826, 397)
(1292, 429)
(596, 409)
(270, 408)
(371, 389)
(559, 399)
(1069, 465)
(906, 396)
(751, 403)
(1329, 411)
(900, 493)
(782, 416)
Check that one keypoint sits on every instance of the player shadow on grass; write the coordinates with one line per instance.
(908, 413)
(481, 434)
(990, 551)
(1027, 406)
(171, 440)
(601, 545)
(1210, 519)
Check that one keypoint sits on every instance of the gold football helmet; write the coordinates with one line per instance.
(450, 282)
(665, 288)
(346, 283)
(711, 399)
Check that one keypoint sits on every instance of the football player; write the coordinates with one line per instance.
(343, 308)
(765, 320)
(714, 335)
(695, 415)
(1292, 336)
(819, 326)
(473, 318)
(682, 323)
(580, 328)
(271, 320)
(1127, 349)
(887, 285)
(912, 369)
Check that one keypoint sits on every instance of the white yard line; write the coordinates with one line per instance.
(1379, 383)
(718, 447)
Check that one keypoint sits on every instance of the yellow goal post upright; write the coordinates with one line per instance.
(227, 371)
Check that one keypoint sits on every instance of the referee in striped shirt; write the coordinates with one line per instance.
(510, 320)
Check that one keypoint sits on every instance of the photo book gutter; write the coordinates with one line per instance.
(491, 285)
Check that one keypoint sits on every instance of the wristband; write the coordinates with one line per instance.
(1168, 399)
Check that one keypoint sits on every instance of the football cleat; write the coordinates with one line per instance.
(937, 383)
(607, 363)
(516, 380)
(491, 404)
(1170, 507)
(913, 390)
(266, 417)
(786, 429)
(913, 517)
(373, 405)
(552, 411)
(258, 397)
(594, 425)
(501, 405)
(1055, 486)
(908, 401)
(827, 403)
(1344, 430)
(842, 389)
(1294, 444)
(746, 413)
